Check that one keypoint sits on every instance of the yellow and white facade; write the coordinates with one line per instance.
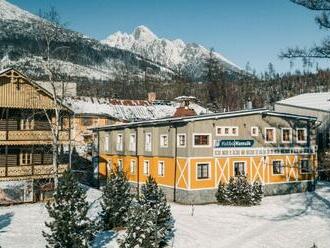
(189, 156)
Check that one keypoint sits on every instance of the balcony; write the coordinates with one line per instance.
(29, 171)
(31, 137)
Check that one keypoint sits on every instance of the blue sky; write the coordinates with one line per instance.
(242, 30)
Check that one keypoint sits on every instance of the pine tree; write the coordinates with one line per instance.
(222, 194)
(241, 192)
(116, 200)
(153, 197)
(257, 192)
(141, 228)
(70, 226)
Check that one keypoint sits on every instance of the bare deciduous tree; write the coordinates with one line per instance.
(49, 37)
(321, 51)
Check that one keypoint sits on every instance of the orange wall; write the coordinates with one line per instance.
(221, 169)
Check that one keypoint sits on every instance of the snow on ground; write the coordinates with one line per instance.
(296, 220)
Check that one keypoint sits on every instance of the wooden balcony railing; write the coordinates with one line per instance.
(29, 171)
(31, 136)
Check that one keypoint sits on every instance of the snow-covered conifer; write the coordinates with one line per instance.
(116, 201)
(257, 192)
(154, 197)
(141, 228)
(70, 226)
(222, 194)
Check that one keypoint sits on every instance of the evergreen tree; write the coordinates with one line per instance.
(222, 194)
(70, 226)
(141, 228)
(153, 197)
(116, 200)
(257, 192)
(240, 192)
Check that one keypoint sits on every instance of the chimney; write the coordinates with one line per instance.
(249, 104)
(151, 96)
(184, 108)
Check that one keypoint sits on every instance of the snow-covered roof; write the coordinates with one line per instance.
(128, 110)
(317, 101)
(212, 116)
(4, 70)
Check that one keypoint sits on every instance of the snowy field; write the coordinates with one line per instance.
(296, 220)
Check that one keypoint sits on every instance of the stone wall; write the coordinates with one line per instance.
(208, 195)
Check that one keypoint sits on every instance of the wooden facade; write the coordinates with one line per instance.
(26, 115)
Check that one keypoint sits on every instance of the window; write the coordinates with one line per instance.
(203, 171)
(120, 165)
(239, 169)
(301, 135)
(25, 158)
(278, 167)
(227, 131)
(161, 168)
(132, 142)
(164, 140)
(270, 135)
(305, 166)
(148, 142)
(106, 143)
(119, 144)
(146, 169)
(286, 135)
(181, 140)
(27, 123)
(202, 140)
(133, 167)
(254, 131)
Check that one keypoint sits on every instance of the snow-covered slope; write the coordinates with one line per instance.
(171, 53)
(88, 59)
(9, 11)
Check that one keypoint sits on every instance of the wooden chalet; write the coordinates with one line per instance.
(26, 114)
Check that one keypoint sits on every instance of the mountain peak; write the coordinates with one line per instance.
(144, 33)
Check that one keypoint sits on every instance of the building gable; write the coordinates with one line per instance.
(17, 91)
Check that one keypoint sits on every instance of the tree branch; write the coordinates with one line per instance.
(318, 5)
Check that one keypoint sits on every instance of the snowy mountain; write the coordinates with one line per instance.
(88, 59)
(175, 54)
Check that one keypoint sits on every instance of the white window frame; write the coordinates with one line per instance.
(202, 146)
(162, 145)
(310, 167)
(120, 164)
(132, 146)
(209, 171)
(161, 168)
(148, 146)
(286, 142)
(240, 161)
(305, 133)
(146, 165)
(119, 145)
(257, 131)
(26, 157)
(274, 135)
(132, 167)
(230, 131)
(282, 166)
(178, 140)
(106, 143)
